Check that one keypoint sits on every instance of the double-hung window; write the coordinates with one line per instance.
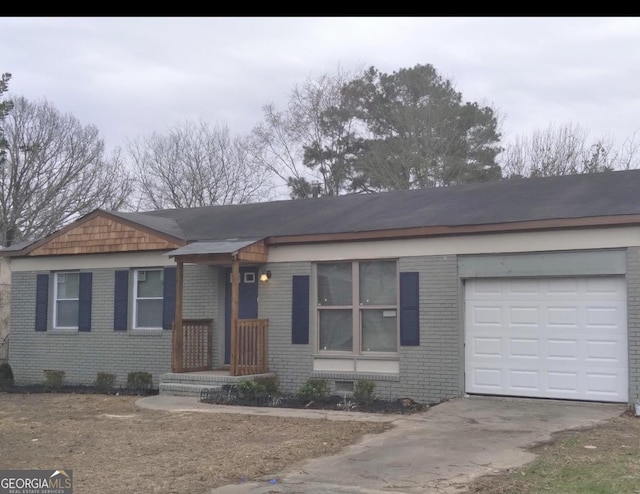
(148, 297)
(357, 307)
(67, 300)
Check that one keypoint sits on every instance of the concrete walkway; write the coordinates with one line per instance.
(429, 452)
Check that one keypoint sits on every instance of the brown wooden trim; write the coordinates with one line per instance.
(212, 259)
(235, 298)
(428, 231)
(178, 337)
(90, 216)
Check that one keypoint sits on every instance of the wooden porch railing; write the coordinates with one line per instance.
(251, 347)
(193, 346)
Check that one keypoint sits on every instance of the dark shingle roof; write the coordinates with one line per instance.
(514, 200)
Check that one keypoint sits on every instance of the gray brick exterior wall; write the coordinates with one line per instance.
(432, 372)
(81, 355)
(292, 363)
(633, 321)
(428, 373)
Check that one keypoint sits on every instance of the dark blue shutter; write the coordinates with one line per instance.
(409, 309)
(84, 307)
(300, 310)
(168, 298)
(121, 301)
(42, 301)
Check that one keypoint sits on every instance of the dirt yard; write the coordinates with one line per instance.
(113, 446)
(604, 459)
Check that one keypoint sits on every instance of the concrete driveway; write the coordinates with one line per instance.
(432, 452)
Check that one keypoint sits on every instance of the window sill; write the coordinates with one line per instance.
(63, 331)
(146, 332)
(369, 364)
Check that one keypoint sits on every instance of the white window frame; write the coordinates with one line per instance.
(135, 298)
(55, 299)
(356, 308)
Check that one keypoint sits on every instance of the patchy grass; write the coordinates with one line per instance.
(601, 460)
(102, 438)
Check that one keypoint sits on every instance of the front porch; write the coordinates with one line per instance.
(192, 346)
(245, 338)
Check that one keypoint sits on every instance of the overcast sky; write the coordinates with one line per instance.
(132, 76)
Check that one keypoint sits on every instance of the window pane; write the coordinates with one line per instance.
(378, 283)
(67, 314)
(149, 314)
(150, 284)
(336, 330)
(334, 284)
(379, 330)
(68, 285)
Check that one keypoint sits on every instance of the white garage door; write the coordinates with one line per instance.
(547, 337)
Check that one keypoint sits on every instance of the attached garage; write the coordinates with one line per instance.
(547, 337)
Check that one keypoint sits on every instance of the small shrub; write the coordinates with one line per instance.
(53, 380)
(6, 375)
(139, 381)
(313, 390)
(270, 384)
(364, 392)
(250, 389)
(105, 382)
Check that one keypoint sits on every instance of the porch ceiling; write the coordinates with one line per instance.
(222, 251)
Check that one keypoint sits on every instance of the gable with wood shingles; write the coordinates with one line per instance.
(103, 234)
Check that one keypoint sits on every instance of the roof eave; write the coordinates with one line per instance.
(443, 230)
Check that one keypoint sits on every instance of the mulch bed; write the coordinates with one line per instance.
(76, 389)
(229, 395)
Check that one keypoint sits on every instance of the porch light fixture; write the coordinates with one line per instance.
(265, 276)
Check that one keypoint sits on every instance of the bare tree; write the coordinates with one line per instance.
(305, 145)
(196, 164)
(5, 108)
(55, 170)
(566, 149)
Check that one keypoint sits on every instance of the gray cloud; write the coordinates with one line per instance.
(133, 76)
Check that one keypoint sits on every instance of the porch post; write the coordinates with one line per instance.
(235, 297)
(178, 343)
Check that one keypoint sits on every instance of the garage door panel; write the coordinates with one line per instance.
(565, 382)
(561, 286)
(603, 317)
(554, 338)
(487, 378)
(487, 346)
(523, 316)
(566, 348)
(524, 379)
(602, 287)
(526, 348)
(603, 383)
(562, 317)
(487, 315)
(604, 350)
(520, 287)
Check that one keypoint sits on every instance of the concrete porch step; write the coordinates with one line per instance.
(183, 389)
(191, 383)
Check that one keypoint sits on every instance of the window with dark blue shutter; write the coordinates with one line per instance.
(168, 298)
(300, 310)
(121, 301)
(409, 309)
(42, 301)
(84, 300)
